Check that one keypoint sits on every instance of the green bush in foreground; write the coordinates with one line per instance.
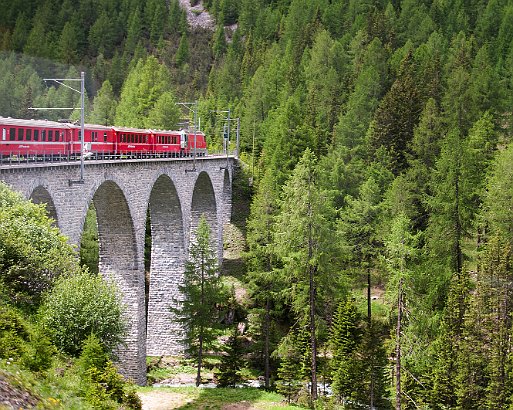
(81, 305)
(33, 253)
(23, 343)
(103, 387)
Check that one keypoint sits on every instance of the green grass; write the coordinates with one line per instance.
(213, 399)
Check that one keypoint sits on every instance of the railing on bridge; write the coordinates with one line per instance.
(18, 160)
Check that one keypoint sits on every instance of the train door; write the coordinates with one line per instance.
(183, 139)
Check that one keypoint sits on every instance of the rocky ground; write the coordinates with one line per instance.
(12, 397)
(197, 16)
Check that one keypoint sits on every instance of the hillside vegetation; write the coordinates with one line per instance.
(379, 238)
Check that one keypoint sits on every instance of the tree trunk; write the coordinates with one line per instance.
(200, 358)
(200, 347)
(267, 375)
(312, 334)
(398, 348)
(369, 308)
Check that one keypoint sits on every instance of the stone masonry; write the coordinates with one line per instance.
(174, 194)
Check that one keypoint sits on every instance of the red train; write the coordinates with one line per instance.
(42, 139)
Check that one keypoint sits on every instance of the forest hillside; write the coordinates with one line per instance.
(379, 239)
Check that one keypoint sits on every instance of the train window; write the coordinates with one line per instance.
(43, 135)
(174, 140)
(28, 135)
(36, 135)
(4, 134)
(104, 137)
(50, 135)
(12, 134)
(79, 135)
(57, 134)
(132, 138)
(21, 133)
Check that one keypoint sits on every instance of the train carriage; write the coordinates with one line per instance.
(167, 143)
(99, 142)
(195, 141)
(133, 142)
(34, 139)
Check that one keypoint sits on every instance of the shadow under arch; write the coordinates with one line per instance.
(40, 195)
(227, 197)
(118, 261)
(204, 203)
(164, 333)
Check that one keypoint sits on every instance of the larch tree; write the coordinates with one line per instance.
(263, 284)
(304, 244)
(104, 105)
(145, 95)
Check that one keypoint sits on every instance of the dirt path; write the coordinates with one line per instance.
(161, 400)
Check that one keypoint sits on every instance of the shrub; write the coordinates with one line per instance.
(81, 305)
(104, 387)
(23, 343)
(32, 250)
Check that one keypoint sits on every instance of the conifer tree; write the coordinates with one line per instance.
(345, 340)
(294, 352)
(229, 374)
(397, 116)
(201, 292)
(302, 241)
(264, 284)
(104, 106)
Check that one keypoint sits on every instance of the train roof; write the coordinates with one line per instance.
(97, 127)
(32, 123)
(129, 129)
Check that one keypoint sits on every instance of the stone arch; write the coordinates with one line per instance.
(40, 195)
(227, 197)
(164, 333)
(204, 203)
(119, 261)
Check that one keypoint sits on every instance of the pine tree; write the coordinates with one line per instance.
(182, 54)
(294, 352)
(397, 116)
(201, 292)
(229, 374)
(345, 340)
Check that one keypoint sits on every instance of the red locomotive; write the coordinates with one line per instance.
(42, 139)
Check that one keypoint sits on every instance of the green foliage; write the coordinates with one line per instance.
(23, 343)
(89, 246)
(103, 387)
(33, 253)
(229, 372)
(104, 106)
(345, 339)
(80, 305)
(146, 98)
(202, 295)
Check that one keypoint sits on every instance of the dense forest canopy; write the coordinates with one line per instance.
(380, 227)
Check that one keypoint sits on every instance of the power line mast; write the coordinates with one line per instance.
(60, 81)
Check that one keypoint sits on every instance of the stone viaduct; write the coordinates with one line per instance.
(174, 192)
